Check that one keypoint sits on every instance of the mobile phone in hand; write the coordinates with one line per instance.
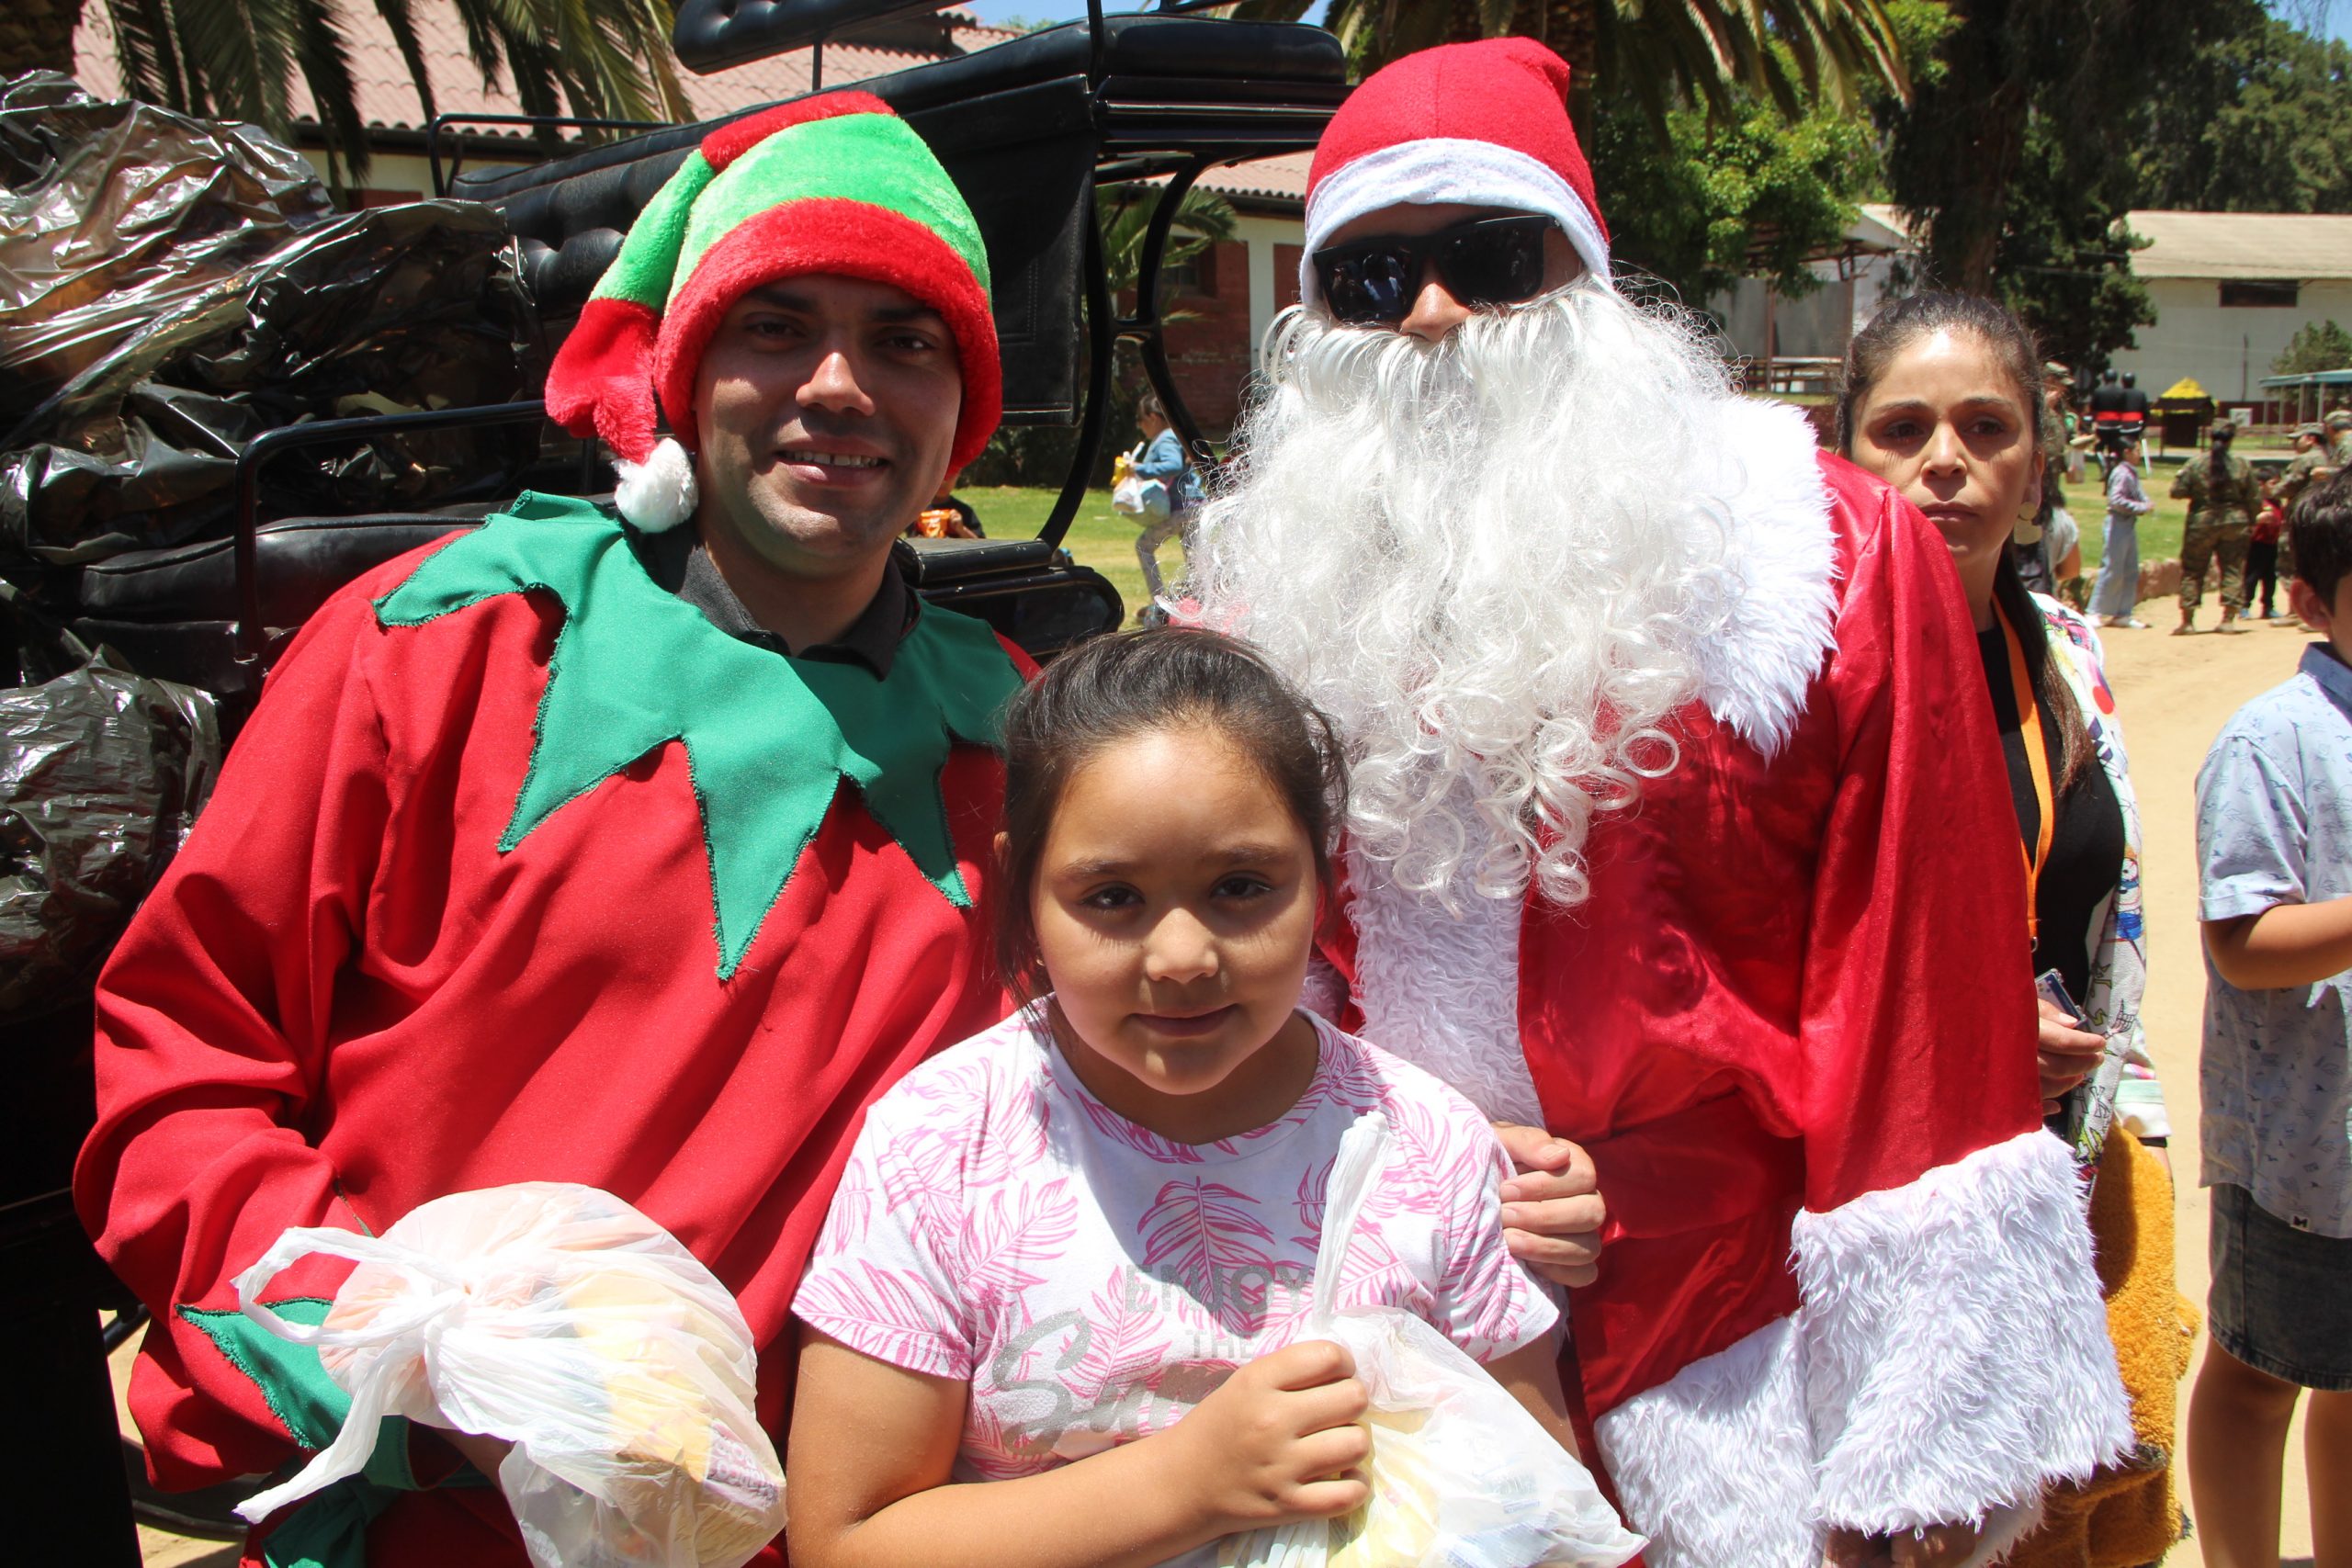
(2084, 1110)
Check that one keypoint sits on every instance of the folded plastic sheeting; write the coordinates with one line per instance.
(559, 1318)
(101, 773)
(170, 288)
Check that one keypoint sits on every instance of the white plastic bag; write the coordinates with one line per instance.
(1461, 1475)
(1133, 495)
(559, 1318)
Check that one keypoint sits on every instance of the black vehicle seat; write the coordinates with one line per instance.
(174, 611)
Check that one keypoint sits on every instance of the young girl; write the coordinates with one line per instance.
(1068, 1256)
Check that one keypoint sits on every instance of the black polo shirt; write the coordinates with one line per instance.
(677, 560)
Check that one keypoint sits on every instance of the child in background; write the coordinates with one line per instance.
(2274, 841)
(1163, 459)
(1068, 1255)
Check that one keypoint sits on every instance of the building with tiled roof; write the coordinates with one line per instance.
(391, 107)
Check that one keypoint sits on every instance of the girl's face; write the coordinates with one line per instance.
(1945, 427)
(1175, 903)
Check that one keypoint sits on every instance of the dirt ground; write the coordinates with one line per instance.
(2172, 695)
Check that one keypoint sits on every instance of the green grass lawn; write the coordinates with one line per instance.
(1098, 537)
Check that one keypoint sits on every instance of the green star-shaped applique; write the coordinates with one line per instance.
(768, 739)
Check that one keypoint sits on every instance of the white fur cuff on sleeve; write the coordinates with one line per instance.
(1955, 1348)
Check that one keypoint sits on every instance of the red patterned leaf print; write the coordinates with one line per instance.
(1203, 1233)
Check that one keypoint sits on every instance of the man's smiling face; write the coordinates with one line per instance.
(825, 409)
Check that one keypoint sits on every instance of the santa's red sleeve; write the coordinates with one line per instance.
(1954, 1347)
(211, 1018)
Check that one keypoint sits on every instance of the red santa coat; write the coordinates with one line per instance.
(345, 998)
(1847, 1278)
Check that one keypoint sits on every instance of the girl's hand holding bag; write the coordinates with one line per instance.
(1461, 1475)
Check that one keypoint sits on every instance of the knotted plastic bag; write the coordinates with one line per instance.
(1461, 1475)
(556, 1317)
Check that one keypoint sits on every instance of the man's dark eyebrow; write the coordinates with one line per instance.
(777, 297)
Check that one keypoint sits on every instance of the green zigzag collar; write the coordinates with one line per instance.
(768, 739)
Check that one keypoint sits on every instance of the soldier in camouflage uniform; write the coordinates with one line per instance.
(2313, 462)
(2339, 439)
(2222, 494)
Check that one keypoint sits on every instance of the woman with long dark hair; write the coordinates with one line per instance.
(1940, 399)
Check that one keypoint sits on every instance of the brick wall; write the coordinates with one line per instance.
(1210, 355)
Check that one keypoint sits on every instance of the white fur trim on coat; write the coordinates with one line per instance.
(1773, 595)
(1447, 169)
(1956, 1356)
(659, 493)
(1715, 1464)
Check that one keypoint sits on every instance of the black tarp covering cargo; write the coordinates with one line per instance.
(170, 288)
(101, 773)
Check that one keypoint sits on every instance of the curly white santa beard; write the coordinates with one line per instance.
(1492, 561)
(1467, 553)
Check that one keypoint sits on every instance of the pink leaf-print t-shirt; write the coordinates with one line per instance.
(1093, 1282)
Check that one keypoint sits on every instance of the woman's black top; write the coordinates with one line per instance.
(2086, 861)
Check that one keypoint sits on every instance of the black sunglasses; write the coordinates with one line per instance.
(1486, 261)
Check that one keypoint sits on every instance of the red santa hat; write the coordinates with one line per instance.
(1482, 124)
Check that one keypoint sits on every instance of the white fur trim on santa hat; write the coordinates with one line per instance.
(659, 493)
(1955, 1348)
(1447, 169)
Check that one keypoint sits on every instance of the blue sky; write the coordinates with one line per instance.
(2333, 17)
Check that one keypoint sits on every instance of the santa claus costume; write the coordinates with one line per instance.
(1673, 775)
(538, 862)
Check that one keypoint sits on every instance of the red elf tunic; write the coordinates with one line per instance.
(1847, 1278)
(525, 871)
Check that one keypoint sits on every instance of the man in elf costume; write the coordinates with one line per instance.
(637, 846)
(1671, 774)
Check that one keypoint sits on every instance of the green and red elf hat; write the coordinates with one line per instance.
(833, 184)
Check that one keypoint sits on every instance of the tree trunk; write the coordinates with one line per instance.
(38, 35)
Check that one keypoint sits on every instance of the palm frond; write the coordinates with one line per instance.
(401, 21)
(324, 56)
(240, 57)
(1791, 51)
(147, 53)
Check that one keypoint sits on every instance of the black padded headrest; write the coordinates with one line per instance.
(711, 35)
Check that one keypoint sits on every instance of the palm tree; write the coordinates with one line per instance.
(238, 59)
(1123, 212)
(1709, 50)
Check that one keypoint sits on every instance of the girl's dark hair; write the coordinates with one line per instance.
(2011, 347)
(2322, 526)
(1124, 684)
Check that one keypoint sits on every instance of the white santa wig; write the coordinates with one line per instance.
(1491, 561)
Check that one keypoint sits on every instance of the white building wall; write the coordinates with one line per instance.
(2227, 350)
(1261, 234)
(1815, 327)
